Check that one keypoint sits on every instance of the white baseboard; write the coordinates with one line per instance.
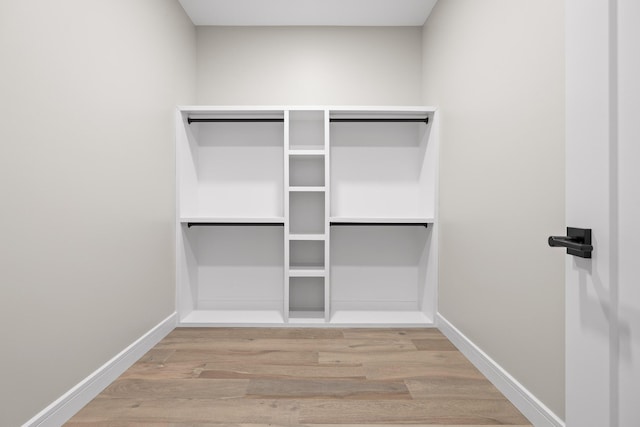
(82, 393)
(532, 408)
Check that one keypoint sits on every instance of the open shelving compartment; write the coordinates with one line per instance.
(307, 257)
(383, 207)
(383, 167)
(382, 275)
(230, 230)
(306, 173)
(306, 300)
(231, 274)
(230, 165)
(306, 132)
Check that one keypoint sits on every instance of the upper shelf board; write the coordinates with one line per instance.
(333, 109)
(236, 220)
(389, 220)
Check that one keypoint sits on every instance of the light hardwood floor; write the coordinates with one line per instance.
(301, 377)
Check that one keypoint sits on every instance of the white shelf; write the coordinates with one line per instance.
(306, 272)
(258, 110)
(306, 317)
(200, 219)
(368, 111)
(307, 237)
(226, 317)
(405, 220)
(308, 188)
(361, 317)
(319, 151)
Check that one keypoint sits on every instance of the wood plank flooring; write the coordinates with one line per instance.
(255, 377)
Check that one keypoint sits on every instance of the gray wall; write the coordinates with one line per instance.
(88, 92)
(496, 70)
(309, 65)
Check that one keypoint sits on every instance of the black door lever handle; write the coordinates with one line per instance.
(569, 242)
(577, 241)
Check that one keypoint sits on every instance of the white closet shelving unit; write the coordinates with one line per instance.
(306, 216)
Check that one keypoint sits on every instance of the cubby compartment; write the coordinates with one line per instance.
(232, 274)
(306, 254)
(306, 130)
(383, 166)
(306, 171)
(306, 213)
(306, 299)
(382, 274)
(231, 168)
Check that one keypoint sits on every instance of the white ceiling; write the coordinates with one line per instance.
(309, 12)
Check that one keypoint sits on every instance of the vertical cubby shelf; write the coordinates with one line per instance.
(307, 216)
(307, 223)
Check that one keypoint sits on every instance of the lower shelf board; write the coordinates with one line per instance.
(232, 317)
(306, 317)
(340, 318)
(380, 317)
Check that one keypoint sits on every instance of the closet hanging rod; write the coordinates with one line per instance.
(197, 224)
(422, 224)
(233, 120)
(387, 120)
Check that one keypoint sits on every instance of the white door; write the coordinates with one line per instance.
(603, 194)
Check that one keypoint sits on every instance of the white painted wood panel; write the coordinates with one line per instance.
(603, 332)
(588, 175)
(628, 100)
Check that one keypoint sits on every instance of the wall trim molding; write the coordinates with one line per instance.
(530, 406)
(67, 405)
